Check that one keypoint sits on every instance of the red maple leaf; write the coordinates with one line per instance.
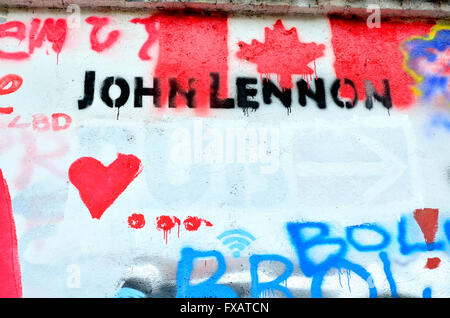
(282, 53)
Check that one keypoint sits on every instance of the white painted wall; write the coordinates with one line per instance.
(335, 166)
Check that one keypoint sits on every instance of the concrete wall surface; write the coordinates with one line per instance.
(403, 8)
(144, 150)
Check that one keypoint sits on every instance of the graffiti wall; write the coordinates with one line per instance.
(190, 154)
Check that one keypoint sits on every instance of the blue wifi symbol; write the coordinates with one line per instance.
(236, 240)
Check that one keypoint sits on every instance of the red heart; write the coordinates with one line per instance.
(100, 186)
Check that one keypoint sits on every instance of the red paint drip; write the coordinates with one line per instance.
(98, 24)
(54, 31)
(10, 276)
(192, 223)
(315, 69)
(428, 223)
(192, 46)
(136, 221)
(100, 186)
(166, 223)
(282, 53)
(374, 54)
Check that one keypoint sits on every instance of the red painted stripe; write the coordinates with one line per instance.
(10, 277)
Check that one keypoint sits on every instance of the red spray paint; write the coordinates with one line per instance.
(166, 223)
(15, 123)
(56, 123)
(374, 54)
(34, 157)
(10, 276)
(428, 223)
(16, 30)
(54, 31)
(433, 262)
(282, 54)
(6, 110)
(12, 82)
(192, 223)
(136, 221)
(100, 186)
(98, 24)
(191, 46)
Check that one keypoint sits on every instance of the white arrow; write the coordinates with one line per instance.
(390, 168)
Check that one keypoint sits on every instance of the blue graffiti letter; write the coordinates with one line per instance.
(259, 288)
(302, 245)
(208, 288)
(368, 247)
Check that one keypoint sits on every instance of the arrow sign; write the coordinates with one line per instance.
(389, 168)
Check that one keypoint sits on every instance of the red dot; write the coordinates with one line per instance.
(136, 221)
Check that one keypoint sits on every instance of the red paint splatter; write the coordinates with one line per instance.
(433, 262)
(281, 53)
(192, 223)
(100, 186)
(54, 31)
(19, 34)
(10, 276)
(166, 223)
(99, 23)
(362, 53)
(192, 46)
(428, 223)
(136, 221)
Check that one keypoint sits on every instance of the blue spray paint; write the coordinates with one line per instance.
(205, 289)
(426, 293)
(316, 285)
(127, 292)
(406, 248)
(369, 227)
(387, 270)
(260, 288)
(447, 230)
(440, 121)
(302, 245)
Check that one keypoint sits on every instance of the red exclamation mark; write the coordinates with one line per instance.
(428, 223)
